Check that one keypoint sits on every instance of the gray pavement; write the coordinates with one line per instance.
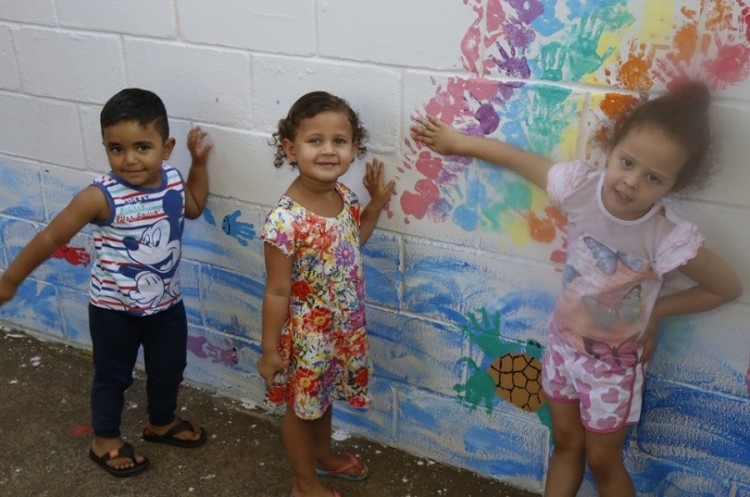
(45, 436)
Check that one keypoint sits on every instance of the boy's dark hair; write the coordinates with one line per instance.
(134, 104)
(683, 115)
(310, 105)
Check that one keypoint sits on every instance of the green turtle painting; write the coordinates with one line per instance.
(514, 373)
(518, 378)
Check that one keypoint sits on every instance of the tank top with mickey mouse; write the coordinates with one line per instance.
(138, 247)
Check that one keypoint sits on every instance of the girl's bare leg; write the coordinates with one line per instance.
(604, 456)
(299, 439)
(568, 459)
(325, 457)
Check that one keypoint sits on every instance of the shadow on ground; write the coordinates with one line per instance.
(45, 436)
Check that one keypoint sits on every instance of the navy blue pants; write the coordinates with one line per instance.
(116, 337)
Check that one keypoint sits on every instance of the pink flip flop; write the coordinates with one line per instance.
(341, 471)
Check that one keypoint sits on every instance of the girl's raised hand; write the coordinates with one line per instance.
(437, 135)
(374, 181)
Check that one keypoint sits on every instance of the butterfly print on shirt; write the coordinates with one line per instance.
(606, 316)
(607, 259)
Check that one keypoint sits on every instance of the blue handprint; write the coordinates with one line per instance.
(241, 231)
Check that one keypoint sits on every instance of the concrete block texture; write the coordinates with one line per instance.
(31, 11)
(196, 83)
(75, 66)
(153, 18)
(9, 78)
(33, 122)
(396, 33)
(260, 25)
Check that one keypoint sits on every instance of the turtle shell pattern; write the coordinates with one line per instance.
(518, 380)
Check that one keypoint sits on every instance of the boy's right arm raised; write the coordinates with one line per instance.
(88, 205)
(444, 139)
(275, 310)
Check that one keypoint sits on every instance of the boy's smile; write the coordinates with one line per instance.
(136, 152)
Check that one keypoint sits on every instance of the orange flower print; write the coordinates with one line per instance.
(318, 320)
(307, 381)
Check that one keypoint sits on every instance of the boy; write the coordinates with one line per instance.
(138, 213)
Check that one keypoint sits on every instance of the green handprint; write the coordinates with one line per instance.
(583, 57)
(552, 60)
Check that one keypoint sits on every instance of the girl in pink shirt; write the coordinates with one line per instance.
(623, 238)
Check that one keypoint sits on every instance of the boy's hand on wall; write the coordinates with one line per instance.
(198, 146)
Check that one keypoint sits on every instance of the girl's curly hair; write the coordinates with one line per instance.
(308, 106)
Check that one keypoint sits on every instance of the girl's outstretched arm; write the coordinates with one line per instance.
(87, 205)
(716, 283)
(275, 310)
(380, 192)
(196, 186)
(444, 139)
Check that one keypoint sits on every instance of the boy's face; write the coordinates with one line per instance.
(136, 152)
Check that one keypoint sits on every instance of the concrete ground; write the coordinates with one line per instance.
(45, 436)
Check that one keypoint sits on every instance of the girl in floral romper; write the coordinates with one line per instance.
(314, 341)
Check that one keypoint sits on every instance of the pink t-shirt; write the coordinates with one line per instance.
(615, 267)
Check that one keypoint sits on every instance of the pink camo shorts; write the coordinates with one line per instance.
(610, 396)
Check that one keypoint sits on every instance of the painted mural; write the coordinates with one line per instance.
(514, 50)
(649, 46)
(513, 373)
(456, 335)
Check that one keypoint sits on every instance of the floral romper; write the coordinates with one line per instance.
(323, 344)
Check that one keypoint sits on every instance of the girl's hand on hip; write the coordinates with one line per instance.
(648, 340)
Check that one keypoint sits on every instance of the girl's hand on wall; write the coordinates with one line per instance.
(437, 135)
(374, 181)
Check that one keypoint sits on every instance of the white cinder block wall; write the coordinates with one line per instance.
(436, 276)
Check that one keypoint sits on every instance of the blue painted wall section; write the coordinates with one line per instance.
(437, 313)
